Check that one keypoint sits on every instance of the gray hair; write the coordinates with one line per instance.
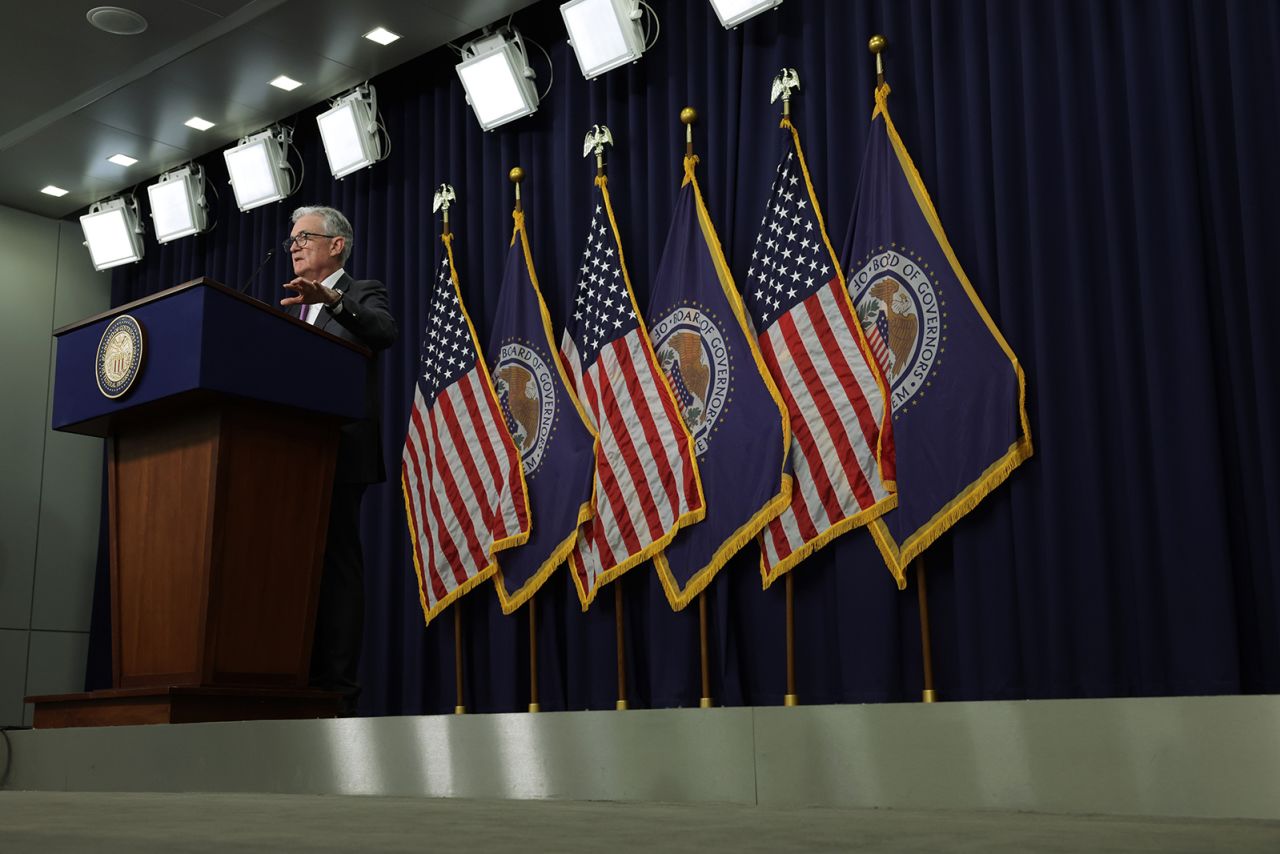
(334, 223)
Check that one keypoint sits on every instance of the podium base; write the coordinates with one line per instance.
(180, 704)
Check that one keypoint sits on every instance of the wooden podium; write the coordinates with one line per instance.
(220, 468)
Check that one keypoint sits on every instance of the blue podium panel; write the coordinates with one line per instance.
(203, 338)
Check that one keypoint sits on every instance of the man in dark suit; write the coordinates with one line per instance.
(357, 310)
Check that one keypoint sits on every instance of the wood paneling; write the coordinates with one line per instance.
(218, 515)
(162, 490)
(275, 475)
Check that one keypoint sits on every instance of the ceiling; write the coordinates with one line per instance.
(79, 95)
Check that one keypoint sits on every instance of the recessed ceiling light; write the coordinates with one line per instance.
(122, 159)
(381, 35)
(198, 123)
(57, 192)
(117, 21)
(288, 84)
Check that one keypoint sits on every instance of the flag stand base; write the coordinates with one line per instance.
(534, 707)
(459, 710)
(704, 703)
(790, 700)
(928, 695)
(621, 705)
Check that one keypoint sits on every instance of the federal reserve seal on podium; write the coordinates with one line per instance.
(119, 356)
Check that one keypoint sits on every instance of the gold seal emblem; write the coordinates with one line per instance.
(119, 356)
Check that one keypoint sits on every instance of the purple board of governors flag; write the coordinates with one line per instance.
(705, 346)
(958, 393)
(842, 441)
(464, 491)
(545, 419)
(646, 482)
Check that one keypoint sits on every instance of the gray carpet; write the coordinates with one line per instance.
(55, 822)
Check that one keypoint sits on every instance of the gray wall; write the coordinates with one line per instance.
(50, 483)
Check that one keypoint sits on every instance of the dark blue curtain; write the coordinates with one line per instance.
(1106, 172)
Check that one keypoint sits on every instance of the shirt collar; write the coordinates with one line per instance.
(331, 280)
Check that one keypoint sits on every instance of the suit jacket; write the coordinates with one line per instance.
(366, 319)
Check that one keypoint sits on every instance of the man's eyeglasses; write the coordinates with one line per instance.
(302, 238)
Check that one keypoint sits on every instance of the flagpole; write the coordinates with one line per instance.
(622, 653)
(687, 117)
(926, 650)
(516, 175)
(598, 138)
(705, 701)
(443, 199)
(877, 44)
(791, 698)
(533, 654)
(459, 708)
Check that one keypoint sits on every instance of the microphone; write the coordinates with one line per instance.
(270, 254)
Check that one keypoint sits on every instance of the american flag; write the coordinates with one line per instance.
(464, 489)
(815, 350)
(646, 481)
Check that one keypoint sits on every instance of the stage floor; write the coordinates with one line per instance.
(1173, 757)
(53, 823)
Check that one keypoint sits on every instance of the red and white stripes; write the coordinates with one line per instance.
(463, 488)
(837, 410)
(646, 480)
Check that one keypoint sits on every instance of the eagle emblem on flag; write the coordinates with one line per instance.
(900, 310)
(526, 392)
(692, 353)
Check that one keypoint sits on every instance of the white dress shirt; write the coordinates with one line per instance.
(311, 312)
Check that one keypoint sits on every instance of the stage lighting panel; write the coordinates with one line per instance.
(258, 169)
(604, 33)
(734, 12)
(112, 233)
(496, 77)
(350, 132)
(178, 207)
